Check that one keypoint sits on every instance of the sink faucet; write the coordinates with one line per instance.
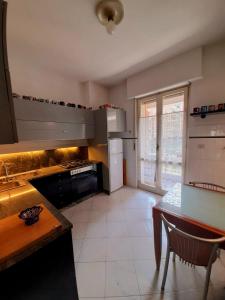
(4, 165)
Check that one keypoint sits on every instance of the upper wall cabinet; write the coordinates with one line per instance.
(116, 120)
(22, 120)
(7, 117)
(41, 121)
(108, 121)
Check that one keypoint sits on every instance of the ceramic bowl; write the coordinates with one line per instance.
(31, 215)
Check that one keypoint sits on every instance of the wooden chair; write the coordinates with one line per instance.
(192, 250)
(208, 186)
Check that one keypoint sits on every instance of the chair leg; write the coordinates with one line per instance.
(206, 286)
(166, 268)
(174, 256)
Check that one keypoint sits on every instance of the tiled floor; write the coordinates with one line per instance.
(114, 252)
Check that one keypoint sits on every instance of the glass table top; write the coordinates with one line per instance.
(207, 207)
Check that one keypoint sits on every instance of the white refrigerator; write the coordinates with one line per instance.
(115, 155)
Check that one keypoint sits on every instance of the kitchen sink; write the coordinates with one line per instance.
(11, 185)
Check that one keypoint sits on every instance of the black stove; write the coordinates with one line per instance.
(78, 166)
(75, 164)
(82, 178)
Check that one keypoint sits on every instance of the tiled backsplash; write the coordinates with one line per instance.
(28, 161)
(206, 160)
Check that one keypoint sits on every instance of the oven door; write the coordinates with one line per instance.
(84, 184)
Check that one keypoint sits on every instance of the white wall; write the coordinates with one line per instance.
(206, 157)
(98, 94)
(180, 69)
(37, 81)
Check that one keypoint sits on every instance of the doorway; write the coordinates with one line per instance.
(162, 139)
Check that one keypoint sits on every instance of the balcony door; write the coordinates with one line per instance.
(162, 133)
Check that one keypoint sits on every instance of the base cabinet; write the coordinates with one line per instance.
(48, 274)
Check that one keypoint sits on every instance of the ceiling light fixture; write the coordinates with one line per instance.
(110, 13)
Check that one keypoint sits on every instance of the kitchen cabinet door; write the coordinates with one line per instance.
(35, 130)
(43, 112)
(120, 120)
(42, 121)
(116, 120)
(7, 118)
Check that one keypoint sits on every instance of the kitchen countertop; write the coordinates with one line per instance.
(35, 173)
(15, 200)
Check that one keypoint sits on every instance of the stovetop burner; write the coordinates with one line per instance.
(72, 164)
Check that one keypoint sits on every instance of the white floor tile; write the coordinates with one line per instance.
(216, 293)
(96, 230)
(115, 204)
(149, 279)
(84, 205)
(79, 230)
(93, 298)
(114, 252)
(93, 250)
(80, 216)
(115, 215)
(121, 279)
(124, 298)
(97, 216)
(91, 279)
(142, 248)
(183, 277)
(138, 214)
(117, 229)
(77, 244)
(100, 203)
(118, 249)
(139, 229)
(218, 274)
(185, 295)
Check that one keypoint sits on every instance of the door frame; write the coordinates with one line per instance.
(158, 97)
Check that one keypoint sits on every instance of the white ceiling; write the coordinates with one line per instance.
(66, 37)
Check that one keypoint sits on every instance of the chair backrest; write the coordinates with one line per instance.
(208, 186)
(191, 249)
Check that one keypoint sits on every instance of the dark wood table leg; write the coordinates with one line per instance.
(157, 226)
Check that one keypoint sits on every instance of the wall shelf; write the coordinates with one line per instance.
(204, 114)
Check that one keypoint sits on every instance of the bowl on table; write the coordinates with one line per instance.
(31, 215)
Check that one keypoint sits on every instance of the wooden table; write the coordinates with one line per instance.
(194, 210)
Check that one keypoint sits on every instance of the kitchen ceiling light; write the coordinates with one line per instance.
(110, 13)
